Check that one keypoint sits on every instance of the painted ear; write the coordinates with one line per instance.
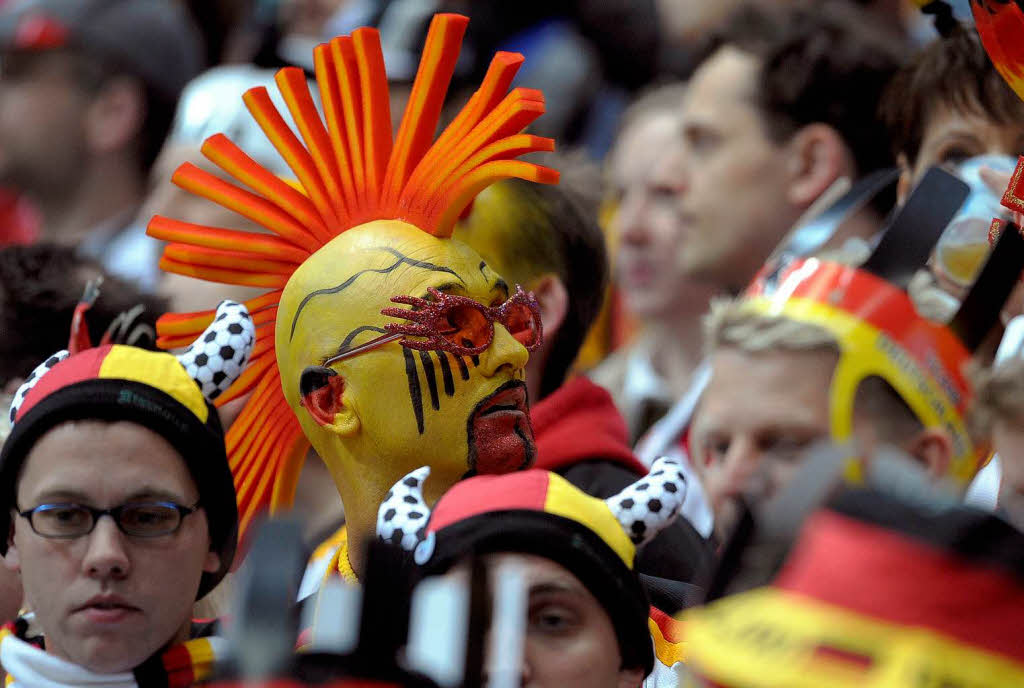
(33, 378)
(403, 515)
(652, 503)
(321, 389)
(218, 356)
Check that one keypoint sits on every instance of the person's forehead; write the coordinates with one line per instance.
(759, 388)
(537, 571)
(642, 144)
(116, 455)
(723, 84)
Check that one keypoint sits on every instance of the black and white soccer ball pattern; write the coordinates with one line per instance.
(403, 515)
(648, 505)
(33, 377)
(218, 356)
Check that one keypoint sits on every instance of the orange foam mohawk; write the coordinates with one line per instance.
(351, 172)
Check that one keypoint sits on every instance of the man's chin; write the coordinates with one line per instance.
(499, 432)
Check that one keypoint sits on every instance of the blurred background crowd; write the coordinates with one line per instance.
(693, 136)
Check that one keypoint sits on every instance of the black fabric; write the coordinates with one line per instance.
(569, 543)
(677, 553)
(962, 530)
(107, 399)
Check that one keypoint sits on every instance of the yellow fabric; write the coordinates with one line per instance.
(666, 651)
(159, 370)
(563, 499)
(203, 658)
(866, 351)
(769, 638)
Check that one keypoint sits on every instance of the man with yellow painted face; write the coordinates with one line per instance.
(382, 341)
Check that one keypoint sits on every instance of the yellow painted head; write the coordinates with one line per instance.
(356, 351)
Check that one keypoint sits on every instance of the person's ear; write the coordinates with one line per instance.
(553, 299)
(114, 117)
(212, 563)
(630, 678)
(817, 157)
(323, 397)
(11, 559)
(933, 447)
(906, 181)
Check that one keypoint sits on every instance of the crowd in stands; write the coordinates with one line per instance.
(640, 343)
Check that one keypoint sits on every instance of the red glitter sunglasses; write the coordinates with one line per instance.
(456, 324)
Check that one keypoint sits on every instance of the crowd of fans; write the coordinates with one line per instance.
(770, 330)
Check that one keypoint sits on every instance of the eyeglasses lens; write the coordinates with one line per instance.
(521, 324)
(468, 327)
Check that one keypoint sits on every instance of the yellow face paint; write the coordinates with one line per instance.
(404, 408)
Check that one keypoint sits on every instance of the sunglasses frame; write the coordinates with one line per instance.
(423, 313)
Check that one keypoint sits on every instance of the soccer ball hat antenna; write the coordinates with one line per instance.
(170, 395)
(880, 332)
(539, 512)
(366, 210)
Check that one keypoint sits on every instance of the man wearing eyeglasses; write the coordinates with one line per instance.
(119, 510)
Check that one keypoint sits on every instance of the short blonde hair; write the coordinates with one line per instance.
(999, 395)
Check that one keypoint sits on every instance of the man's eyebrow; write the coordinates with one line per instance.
(555, 587)
(145, 493)
(346, 343)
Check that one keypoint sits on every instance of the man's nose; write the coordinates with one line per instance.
(504, 351)
(740, 469)
(631, 219)
(106, 555)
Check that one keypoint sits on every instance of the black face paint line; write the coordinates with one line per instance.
(415, 393)
(346, 343)
(463, 369)
(446, 373)
(476, 360)
(429, 374)
(402, 259)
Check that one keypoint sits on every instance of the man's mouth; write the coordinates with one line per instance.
(499, 432)
(107, 609)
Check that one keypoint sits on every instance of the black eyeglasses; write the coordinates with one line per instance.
(138, 519)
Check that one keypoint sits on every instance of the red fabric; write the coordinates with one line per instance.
(486, 493)
(671, 629)
(84, 366)
(19, 221)
(579, 422)
(892, 577)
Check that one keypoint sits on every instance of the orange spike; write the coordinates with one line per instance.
(495, 85)
(245, 203)
(257, 404)
(222, 151)
(482, 177)
(514, 114)
(423, 110)
(373, 82)
(194, 323)
(219, 258)
(224, 275)
(241, 387)
(330, 96)
(257, 245)
(291, 81)
(293, 452)
(271, 406)
(263, 110)
(503, 149)
(347, 71)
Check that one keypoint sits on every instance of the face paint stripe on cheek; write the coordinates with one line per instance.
(476, 360)
(428, 372)
(446, 373)
(463, 369)
(415, 395)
